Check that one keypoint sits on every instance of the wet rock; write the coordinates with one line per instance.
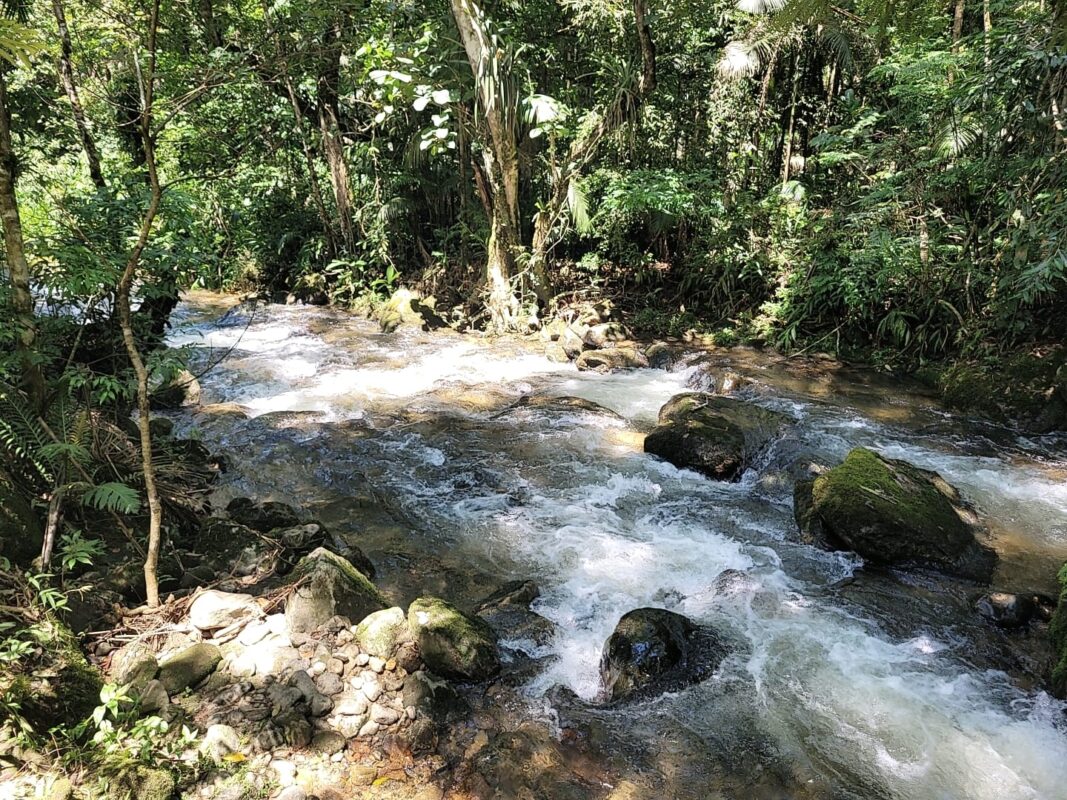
(508, 611)
(659, 356)
(652, 651)
(189, 667)
(431, 697)
(1006, 610)
(564, 404)
(891, 512)
(382, 632)
(452, 643)
(214, 609)
(611, 360)
(718, 436)
(180, 391)
(328, 585)
(262, 517)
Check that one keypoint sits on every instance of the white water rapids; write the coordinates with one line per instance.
(848, 699)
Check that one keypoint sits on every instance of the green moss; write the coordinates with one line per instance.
(1058, 634)
(65, 689)
(879, 501)
(345, 567)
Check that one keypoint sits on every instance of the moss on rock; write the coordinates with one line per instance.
(63, 689)
(328, 585)
(1058, 634)
(892, 512)
(451, 642)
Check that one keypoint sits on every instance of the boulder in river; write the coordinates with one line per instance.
(653, 650)
(508, 611)
(452, 643)
(1007, 610)
(327, 585)
(891, 512)
(718, 436)
(597, 336)
(611, 360)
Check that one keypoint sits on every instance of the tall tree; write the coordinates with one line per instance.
(66, 73)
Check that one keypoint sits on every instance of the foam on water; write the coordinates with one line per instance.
(605, 530)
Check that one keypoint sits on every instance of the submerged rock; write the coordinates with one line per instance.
(891, 512)
(327, 585)
(508, 611)
(717, 436)
(451, 642)
(1007, 610)
(653, 650)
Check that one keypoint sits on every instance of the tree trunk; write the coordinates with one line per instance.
(15, 255)
(122, 303)
(66, 74)
(332, 141)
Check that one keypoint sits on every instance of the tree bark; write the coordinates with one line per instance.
(332, 140)
(66, 74)
(15, 256)
(122, 303)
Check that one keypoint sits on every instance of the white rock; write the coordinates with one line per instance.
(214, 609)
(372, 690)
(285, 771)
(253, 633)
(291, 793)
(219, 741)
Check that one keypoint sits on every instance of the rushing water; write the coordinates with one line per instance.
(879, 687)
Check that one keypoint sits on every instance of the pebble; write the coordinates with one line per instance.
(357, 681)
(317, 668)
(362, 659)
(410, 711)
(329, 683)
(376, 664)
(369, 728)
(350, 704)
(362, 775)
(285, 771)
(383, 715)
(335, 665)
(390, 664)
(372, 690)
(291, 793)
(328, 742)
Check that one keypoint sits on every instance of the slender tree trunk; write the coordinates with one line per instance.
(15, 256)
(66, 74)
(332, 140)
(957, 24)
(122, 303)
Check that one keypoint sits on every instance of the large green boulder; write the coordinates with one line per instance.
(189, 667)
(893, 513)
(327, 585)
(1058, 633)
(717, 436)
(452, 643)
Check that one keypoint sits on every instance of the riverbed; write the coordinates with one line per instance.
(842, 683)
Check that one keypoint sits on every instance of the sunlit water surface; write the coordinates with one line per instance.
(825, 695)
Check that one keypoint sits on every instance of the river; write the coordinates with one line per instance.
(842, 684)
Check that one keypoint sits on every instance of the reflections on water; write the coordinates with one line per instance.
(836, 689)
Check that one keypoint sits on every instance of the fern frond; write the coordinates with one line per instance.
(112, 497)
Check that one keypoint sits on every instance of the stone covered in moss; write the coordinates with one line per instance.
(63, 689)
(451, 642)
(1058, 634)
(189, 667)
(144, 783)
(892, 512)
(327, 585)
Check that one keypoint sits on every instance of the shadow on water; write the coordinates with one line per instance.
(844, 683)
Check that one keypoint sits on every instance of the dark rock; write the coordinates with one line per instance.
(653, 651)
(451, 642)
(564, 403)
(891, 512)
(659, 356)
(327, 585)
(571, 343)
(718, 436)
(180, 391)
(160, 427)
(1006, 610)
(514, 593)
(262, 517)
(507, 610)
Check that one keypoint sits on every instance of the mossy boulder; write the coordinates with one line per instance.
(144, 783)
(60, 687)
(717, 436)
(381, 633)
(189, 667)
(894, 513)
(327, 585)
(405, 307)
(452, 643)
(1058, 634)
